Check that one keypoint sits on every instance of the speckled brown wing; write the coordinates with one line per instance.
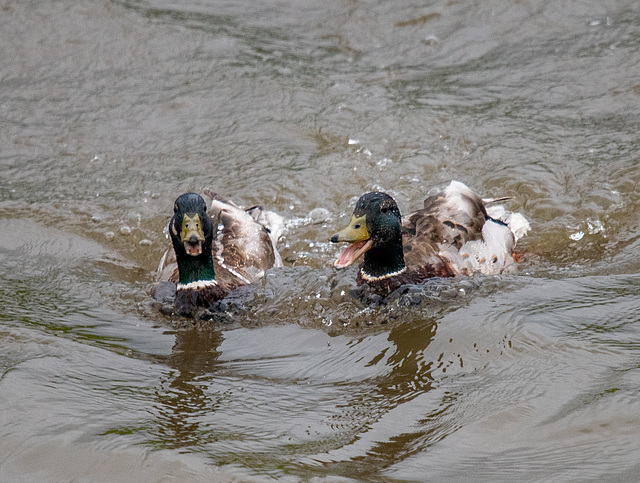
(421, 236)
(242, 250)
(168, 267)
(450, 218)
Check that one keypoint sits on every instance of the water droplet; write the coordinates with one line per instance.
(431, 39)
(318, 215)
(595, 226)
(125, 230)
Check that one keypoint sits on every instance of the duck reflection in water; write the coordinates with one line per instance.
(185, 398)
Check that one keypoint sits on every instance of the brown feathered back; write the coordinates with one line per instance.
(450, 218)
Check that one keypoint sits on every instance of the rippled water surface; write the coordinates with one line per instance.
(111, 109)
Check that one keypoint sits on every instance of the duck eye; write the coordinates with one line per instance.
(384, 209)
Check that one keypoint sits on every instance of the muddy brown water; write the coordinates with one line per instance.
(110, 109)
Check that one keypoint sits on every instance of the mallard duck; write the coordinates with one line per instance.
(215, 250)
(452, 235)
